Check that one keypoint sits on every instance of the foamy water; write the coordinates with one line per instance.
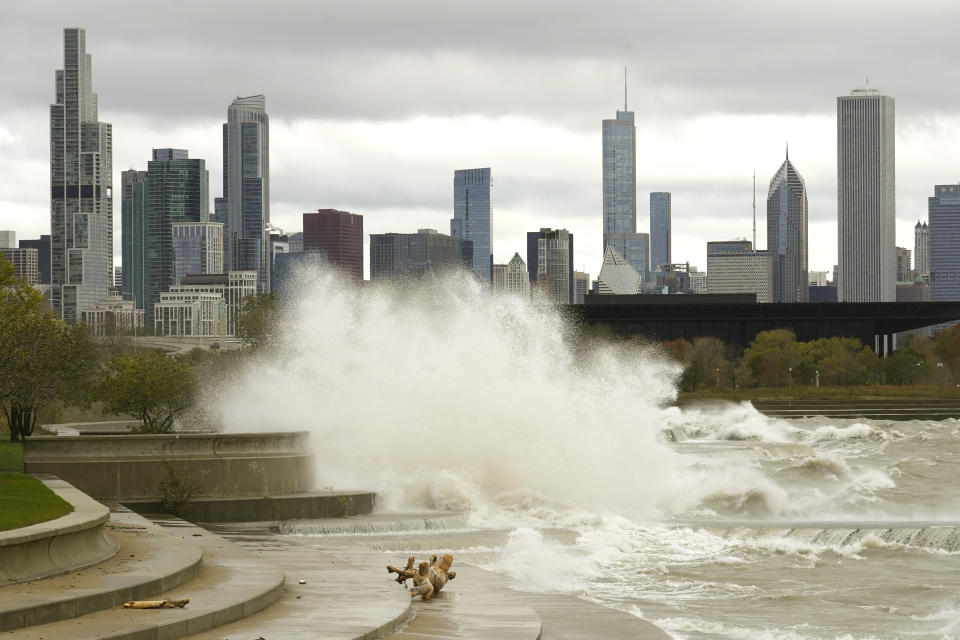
(444, 397)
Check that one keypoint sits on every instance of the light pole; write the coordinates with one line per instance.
(818, 378)
(790, 380)
(718, 376)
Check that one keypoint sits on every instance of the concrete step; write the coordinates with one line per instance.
(274, 508)
(346, 594)
(149, 561)
(470, 608)
(232, 583)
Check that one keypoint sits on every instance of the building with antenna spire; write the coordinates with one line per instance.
(787, 234)
(620, 188)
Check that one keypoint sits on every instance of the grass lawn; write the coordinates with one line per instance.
(24, 500)
(11, 453)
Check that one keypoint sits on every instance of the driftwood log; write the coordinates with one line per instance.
(428, 578)
(156, 604)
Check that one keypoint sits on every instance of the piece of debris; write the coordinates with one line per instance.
(428, 578)
(156, 604)
(301, 581)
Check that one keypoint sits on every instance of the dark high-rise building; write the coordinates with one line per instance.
(473, 216)
(176, 190)
(787, 235)
(42, 245)
(245, 207)
(81, 181)
(340, 235)
(944, 216)
(133, 234)
(425, 253)
(660, 231)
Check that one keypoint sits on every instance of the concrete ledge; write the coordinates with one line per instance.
(149, 561)
(300, 506)
(116, 468)
(232, 583)
(68, 543)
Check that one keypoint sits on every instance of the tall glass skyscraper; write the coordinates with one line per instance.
(176, 191)
(944, 211)
(619, 175)
(132, 233)
(660, 238)
(787, 235)
(473, 216)
(245, 206)
(866, 197)
(81, 181)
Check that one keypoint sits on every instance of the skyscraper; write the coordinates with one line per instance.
(133, 235)
(340, 235)
(660, 238)
(921, 249)
(865, 197)
(424, 254)
(81, 181)
(635, 249)
(787, 235)
(473, 216)
(735, 267)
(197, 248)
(245, 206)
(550, 263)
(177, 190)
(944, 216)
(42, 245)
(619, 175)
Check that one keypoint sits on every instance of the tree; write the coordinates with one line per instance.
(771, 356)
(148, 385)
(255, 320)
(41, 357)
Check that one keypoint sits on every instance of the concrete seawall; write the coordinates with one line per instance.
(57, 546)
(132, 467)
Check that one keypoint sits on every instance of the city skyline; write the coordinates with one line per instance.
(699, 137)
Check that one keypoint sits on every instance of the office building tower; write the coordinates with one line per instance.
(865, 197)
(699, 282)
(581, 284)
(81, 181)
(425, 253)
(295, 242)
(473, 216)
(537, 276)
(8, 239)
(512, 278)
(660, 232)
(617, 275)
(245, 206)
(133, 234)
(921, 249)
(904, 272)
(734, 267)
(553, 261)
(176, 191)
(291, 270)
(118, 278)
(635, 249)
(787, 234)
(197, 248)
(26, 264)
(619, 175)
(340, 235)
(42, 245)
(944, 216)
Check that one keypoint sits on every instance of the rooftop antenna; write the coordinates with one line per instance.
(754, 210)
(624, 88)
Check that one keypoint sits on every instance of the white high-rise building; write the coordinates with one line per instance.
(8, 239)
(512, 278)
(865, 197)
(81, 194)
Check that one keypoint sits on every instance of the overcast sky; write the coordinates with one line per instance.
(374, 104)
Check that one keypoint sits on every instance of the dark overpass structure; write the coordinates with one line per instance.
(737, 319)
